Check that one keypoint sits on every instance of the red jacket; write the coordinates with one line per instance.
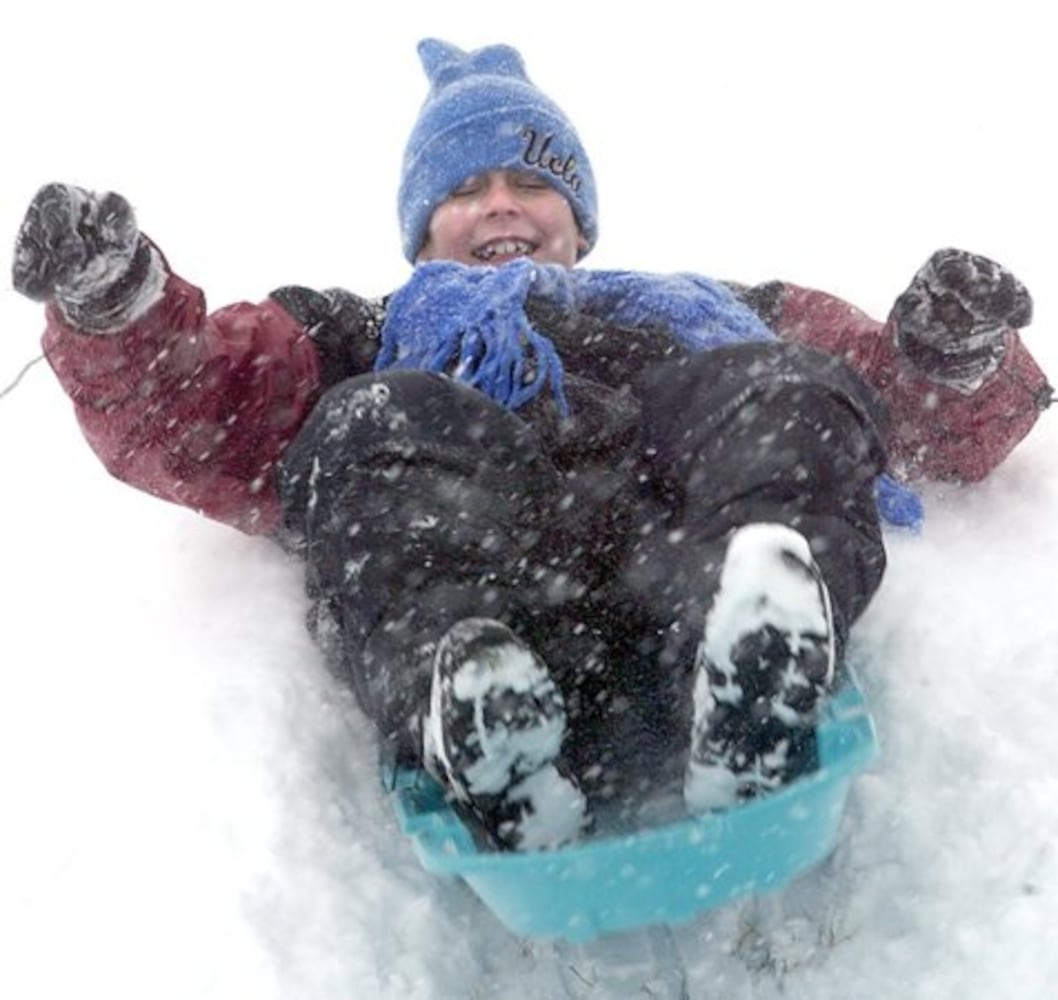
(936, 432)
(198, 408)
(192, 408)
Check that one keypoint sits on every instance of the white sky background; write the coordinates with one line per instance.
(162, 756)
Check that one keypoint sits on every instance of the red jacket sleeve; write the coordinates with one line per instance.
(192, 408)
(937, 431)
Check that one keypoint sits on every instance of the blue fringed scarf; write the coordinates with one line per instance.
(470, 322)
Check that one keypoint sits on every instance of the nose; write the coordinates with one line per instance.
(500, 198)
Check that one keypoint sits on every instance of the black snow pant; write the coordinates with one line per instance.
(417, 501)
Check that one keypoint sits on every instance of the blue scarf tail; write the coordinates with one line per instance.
(471, 323)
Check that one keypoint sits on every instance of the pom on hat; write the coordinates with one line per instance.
(483, 113)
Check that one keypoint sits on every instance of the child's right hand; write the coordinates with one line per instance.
(84, 251)
(72, 243)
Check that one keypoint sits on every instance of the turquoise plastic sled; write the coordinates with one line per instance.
(661, 875)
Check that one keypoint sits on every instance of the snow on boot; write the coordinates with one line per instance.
(764, 664)
(494, 733)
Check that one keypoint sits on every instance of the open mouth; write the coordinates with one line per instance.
(504, 249)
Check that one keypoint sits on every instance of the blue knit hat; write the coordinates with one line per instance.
(483, 113)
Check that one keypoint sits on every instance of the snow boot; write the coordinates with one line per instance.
(494, 734)
(765, 662)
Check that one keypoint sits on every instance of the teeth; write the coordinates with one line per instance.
(504, 248)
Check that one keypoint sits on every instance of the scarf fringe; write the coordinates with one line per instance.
(470, 322)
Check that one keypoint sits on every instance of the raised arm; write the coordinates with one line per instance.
(961, 386)
(190, 407)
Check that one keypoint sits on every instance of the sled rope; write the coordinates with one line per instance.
(18, 378)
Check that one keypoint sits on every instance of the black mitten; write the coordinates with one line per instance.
(83, 250)
(951, 320)
(344, 327)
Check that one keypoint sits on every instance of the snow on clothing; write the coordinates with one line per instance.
(192, 408)
(419, 502)
(937, 431)
(197, 408)
(416, 499)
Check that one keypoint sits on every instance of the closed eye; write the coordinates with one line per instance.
(472, 185)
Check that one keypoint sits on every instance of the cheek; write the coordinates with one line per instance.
(563, 236)
(447, 232)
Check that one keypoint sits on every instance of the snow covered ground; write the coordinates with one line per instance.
(190, 806)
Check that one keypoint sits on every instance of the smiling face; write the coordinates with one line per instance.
(500, 215)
